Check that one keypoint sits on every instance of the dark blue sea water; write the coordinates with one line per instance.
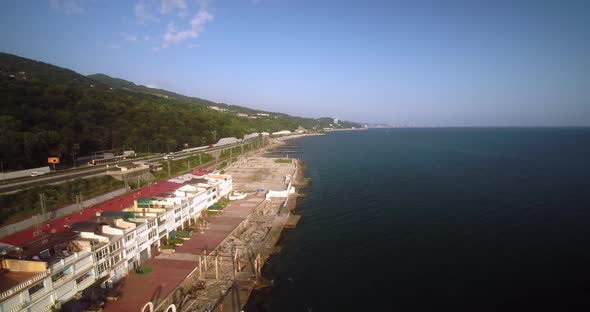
(468, 219)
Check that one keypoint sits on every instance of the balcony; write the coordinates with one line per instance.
(68, 277)
(85, 284)
(18, 288)
(62, 261)
(38, 295)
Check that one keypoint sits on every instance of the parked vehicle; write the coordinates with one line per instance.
(37, 173)
(169, 156)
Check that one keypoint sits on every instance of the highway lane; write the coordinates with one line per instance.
(23, 183)
(52, 178)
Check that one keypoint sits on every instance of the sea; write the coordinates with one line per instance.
(437, 219)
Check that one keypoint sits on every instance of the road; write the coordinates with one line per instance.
(51, 178)
(23, 183)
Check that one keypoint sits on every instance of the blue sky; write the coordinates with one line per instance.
(435, 63)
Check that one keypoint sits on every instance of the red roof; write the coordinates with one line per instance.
(201, 172)
(63, 223)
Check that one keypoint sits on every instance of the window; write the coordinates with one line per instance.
(153, 233)
(115, 259)
(37, 288)
(152, 223)
(103, 267)
(129, 237)
(177, 210)
(115, 246)
(44, 254)
(62, 273)
(84, 277)
(101, 254)
(177, 219)
(163, 232)
(130, 249)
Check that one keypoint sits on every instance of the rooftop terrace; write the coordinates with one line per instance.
(65, 223)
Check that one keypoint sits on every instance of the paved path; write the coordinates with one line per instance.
(168, 271)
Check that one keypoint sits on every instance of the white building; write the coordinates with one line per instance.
(227, 141)
(53, 270)
(45, 272)
(251, 136)
(217, 108)
(282, 132)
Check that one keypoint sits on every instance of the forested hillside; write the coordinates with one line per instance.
(52, 111)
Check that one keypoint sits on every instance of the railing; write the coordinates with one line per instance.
(61, 262)
(34, 297)
(17, 307)
(46, 308)
(23, 285)
(69, 277)
(85, 283)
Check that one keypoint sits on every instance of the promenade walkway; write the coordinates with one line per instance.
(169, 270)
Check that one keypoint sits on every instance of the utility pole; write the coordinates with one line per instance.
(43, 208)
(168, 167)
(74, 151)
(38, 231)
(2, 166)
(216, 268)
(200, 268)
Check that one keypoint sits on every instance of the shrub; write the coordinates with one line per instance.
(175, 241)
(168, 246)
(182, 233)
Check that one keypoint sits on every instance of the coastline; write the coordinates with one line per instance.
(241, 255)
(247, 282)
(347, 129)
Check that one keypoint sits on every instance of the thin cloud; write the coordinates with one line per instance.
(197, 26)
(68, 7)
(128, 37)
(170, 6)
(143, 11)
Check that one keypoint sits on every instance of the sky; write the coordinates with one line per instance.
(422, 63)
